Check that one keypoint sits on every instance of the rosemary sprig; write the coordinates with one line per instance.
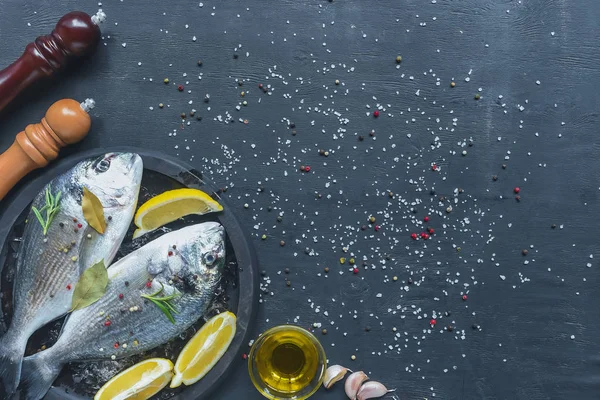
(163, 303)
(50, 208)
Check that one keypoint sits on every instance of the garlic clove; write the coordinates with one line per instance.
(371, 390)
(334, 374)
(353, 384)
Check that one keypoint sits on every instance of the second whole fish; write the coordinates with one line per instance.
(187, 263)
(50, 263)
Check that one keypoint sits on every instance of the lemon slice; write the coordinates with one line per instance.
(203, 351)
(170, 206)
(139, 382)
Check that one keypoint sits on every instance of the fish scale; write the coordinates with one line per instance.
(188, 272)
(42, 287)
(46, 277)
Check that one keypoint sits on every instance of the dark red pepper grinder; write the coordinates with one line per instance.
(76, 34)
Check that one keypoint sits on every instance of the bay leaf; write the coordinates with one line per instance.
(90, 287)
(93, 211)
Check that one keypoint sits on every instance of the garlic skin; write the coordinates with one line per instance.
(353, 384)
(334, 374)
(371, 390)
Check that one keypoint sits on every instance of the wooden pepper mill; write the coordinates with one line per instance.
(76, 34)
(66, 122)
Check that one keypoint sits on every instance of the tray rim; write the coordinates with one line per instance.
(19, 198)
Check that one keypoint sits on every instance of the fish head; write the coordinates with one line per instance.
(202, 249)
(114, 178)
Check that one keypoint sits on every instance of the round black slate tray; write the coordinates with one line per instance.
(244, 300)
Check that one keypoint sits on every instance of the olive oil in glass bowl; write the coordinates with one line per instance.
(287, 362)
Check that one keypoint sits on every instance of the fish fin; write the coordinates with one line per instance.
(39, 372)
(12, 348)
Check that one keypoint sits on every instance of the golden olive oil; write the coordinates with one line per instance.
(287, 362)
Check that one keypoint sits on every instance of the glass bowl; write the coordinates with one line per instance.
(287, 362)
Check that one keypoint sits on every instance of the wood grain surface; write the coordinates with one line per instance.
(534, 64)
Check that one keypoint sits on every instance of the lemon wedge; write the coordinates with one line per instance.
(170, 206)
(204, 350)
(139, 382)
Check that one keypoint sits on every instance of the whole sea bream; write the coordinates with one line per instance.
(49, 265)
(187, 263)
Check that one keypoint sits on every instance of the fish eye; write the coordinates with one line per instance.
(103, 165)
(209, 259)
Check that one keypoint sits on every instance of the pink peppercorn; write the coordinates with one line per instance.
(434, 167)
(426, 219)
(121, 296)
(431, 231)
(517, 189)
(180, 88)
(69, 286)
(116, 345)
(107, 323)
(376, 113)
(464, 297)
(377, 228)
(148, 284)
(413, 236)
(307, 169)
(432, 322)
(355, 270)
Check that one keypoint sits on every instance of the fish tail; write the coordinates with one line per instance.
(12, 348)
(39, 372)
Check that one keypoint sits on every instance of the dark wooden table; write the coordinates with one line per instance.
(528, 328)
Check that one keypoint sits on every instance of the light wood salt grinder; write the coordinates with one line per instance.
(76, 35)
(66, 122)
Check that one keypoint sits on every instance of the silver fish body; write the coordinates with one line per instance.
(49, 266)
(188, 262)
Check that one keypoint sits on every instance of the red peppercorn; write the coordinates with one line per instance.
(517, 189)
(180, 88)
(116, 345)
(148, 284)
(426, 219)
(413, 236)
(425, 236)
(245, 356)
(107, 323)
(69, 286)
(79, 226)
(355, 270)
(377, 228)
(121, 296)
(434, 167)
(376, 113)
(431, 231)
(170, 253)
(307, 169)
(432, 322)
(464, 297)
